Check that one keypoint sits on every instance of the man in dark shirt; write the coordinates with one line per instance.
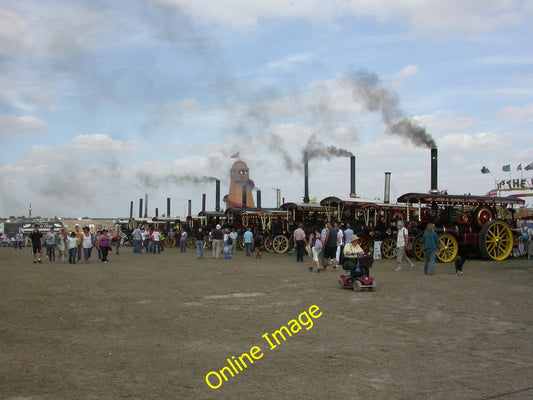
(330, 247)
(36, 243)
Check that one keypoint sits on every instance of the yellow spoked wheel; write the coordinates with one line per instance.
(191, 242)
(388, 248)
(418, 248)
(495, 240)
(170, 242)
(448, 248)
(280, 244)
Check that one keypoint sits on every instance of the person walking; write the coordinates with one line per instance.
(258, 238)
(61, 245)
(248, 240)
(330, 247)
(402, 242)
(156, 240)
(79, 239)
(316, 249)
(299, 240)
(137, 240)
(233, 236)
(431, 245)
(217, 238)
(50, 241)
(183, 240)
(36, 238)
(199, 236)
(72, 248)
(104, 244)
(87, 243)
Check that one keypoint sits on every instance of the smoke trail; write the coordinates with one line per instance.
(318, 150)
(368, 89)
(150, 181)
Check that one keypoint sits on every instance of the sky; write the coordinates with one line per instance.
(104, 102)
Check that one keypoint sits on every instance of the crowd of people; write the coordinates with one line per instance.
(327, 246)
(75, 245)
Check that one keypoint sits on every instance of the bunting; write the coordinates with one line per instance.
(529, 166)
(236, 155)
(491, 193)
(485, 170)
(519, 167)
(506, 168)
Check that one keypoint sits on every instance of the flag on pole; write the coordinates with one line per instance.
(485, 170)
(236, 155)
(529, 166)
(506, 168)
(491, 193)
(519, 167)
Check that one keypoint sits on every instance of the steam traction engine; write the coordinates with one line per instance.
(473, 225)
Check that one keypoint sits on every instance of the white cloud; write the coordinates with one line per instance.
(407, 72)
(517, 113)
(12, 125)
(432, 16)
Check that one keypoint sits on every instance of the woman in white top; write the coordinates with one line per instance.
(87, 243)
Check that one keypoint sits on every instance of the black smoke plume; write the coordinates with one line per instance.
(368, 88)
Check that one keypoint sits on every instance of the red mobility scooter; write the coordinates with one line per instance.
(358, 277)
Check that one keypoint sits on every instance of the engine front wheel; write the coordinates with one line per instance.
(448, 248)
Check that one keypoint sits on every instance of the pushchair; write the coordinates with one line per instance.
(358, 277)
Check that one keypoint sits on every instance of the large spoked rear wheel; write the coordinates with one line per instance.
(388, 248)
(495, 240)
(280, 244)
(448, 248)
(267, 243)
(418, 248)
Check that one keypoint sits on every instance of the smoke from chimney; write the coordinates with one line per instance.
(368, 88)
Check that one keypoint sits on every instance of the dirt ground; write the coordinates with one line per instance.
(153, 326)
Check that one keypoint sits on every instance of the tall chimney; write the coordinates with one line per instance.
(244, 195)
(434, 171)
(146, 205)
(258, 199)
(278, 198)
(217, 195)
(306, 177)
(168, 207)
(156, 212)
(189, 212)
(131, 209)
(203, 201)
(386, 196)
(352, 177)
(140, 208)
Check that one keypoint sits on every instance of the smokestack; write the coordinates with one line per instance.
(258, 199)
(168, 207)
(278, 198)
(217, 195)
(386, 196)
(352, 177)
(189, 212)
(434, 171)
(131, 209)
(146, 205)
(140, 208)
(203, 201)
(306, 177)
(244, 195)
(156, 212)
